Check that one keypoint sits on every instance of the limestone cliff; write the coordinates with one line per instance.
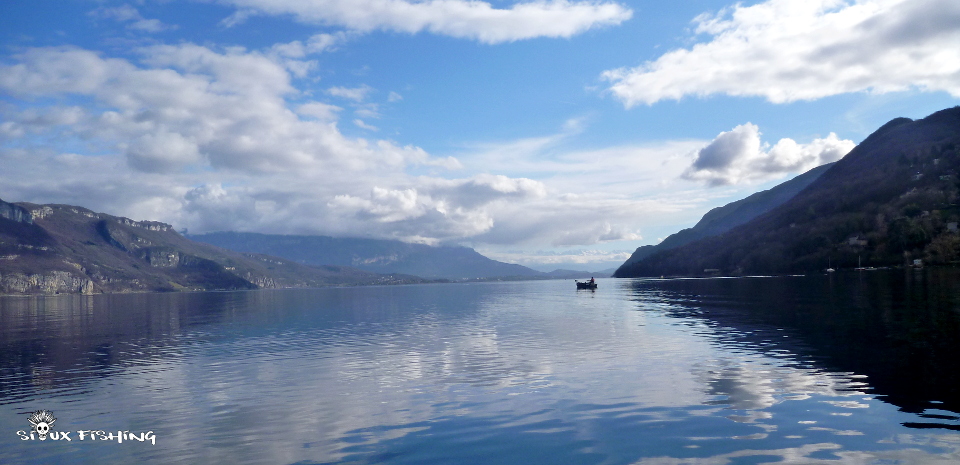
(51, 249)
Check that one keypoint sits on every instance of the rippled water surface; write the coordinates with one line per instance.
(847, 368)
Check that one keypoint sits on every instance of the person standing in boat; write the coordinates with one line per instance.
(592, 280)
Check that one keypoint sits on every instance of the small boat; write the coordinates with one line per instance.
(586, 285)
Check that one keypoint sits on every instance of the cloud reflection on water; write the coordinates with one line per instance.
(457, 373)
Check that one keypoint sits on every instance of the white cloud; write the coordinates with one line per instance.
(318, 43)
(319, 110)
(357, 94)
(548, 260)
(469, 19)
(394, 97)
(38, 120)
(789, 50)
(592, 196)
(208, 140)
(360, 124)
(739, 156)
(231, 106)
(162, 152)
(189, 114)
(644, 170)
(130, 15)
(237, 18)
(563, 221)
(367, 110)
(435, 209)
(211, 140)
(485, 188)
(213, 208)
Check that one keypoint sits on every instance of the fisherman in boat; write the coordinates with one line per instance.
(591, 280)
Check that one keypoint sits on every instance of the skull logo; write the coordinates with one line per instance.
(42, 421)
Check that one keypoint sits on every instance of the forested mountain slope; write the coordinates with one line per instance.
(891, 200)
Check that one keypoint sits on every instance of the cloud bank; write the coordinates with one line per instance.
(222, 139)
(739, 156)
(466, 19)
(788, 50)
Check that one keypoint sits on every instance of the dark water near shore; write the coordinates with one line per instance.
(846, 368)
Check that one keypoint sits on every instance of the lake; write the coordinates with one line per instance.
(852, 367)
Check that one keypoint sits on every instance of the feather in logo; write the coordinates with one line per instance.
(41, 422)
(41, 427)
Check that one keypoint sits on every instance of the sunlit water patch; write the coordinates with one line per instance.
(640, 371)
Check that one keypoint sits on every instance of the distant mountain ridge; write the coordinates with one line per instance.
(892, 200)
(374, 255)
(68, 249)
(722, 219)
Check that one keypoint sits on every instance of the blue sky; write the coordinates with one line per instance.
(555, 133)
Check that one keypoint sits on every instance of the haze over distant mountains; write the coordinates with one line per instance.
(50, 249)
(378, 256)
(892, 200)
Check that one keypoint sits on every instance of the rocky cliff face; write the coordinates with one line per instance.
(50, 249)
(15, 213)
(53, 282)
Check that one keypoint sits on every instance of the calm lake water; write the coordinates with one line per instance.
(846, 368)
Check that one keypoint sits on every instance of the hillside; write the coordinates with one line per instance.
(891, 200)
(722, 219)
(374, 255)
(68, 249)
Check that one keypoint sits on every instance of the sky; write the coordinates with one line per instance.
(550, 133)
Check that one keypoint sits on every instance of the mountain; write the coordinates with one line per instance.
(68, 249)
(375, 255)
(722, 219)
(892, 200)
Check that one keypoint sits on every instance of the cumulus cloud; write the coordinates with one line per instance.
(211, 207)
(211, 140)
(161, 152)
(564, 222)
(485, 188)
(192, 105)
(436, 209)
(790, 50)
(187, 109)
(38, 120)
(739, 156)
(222, 139)
(468, 19)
